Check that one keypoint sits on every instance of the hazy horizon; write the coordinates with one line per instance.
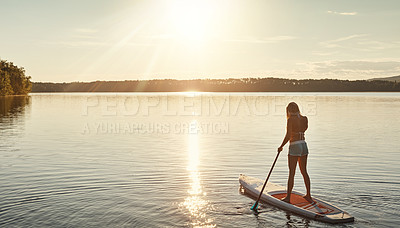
(205, 78)
(103, 40)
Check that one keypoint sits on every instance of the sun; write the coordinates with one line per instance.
(190, 19)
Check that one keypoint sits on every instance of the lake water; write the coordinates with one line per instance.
(173, 159)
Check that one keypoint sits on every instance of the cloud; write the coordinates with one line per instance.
(342, 13)
(80, 37)
(351, 70)
(320, 53)
(357, 65)
(356, 42)
(374, 45)
(274, 39)
(78, 43)
(165, 36)
(86, 30)
(354, 69)
(335, 43)
(84, 33)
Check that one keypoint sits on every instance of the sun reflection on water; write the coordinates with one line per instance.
(195, 203)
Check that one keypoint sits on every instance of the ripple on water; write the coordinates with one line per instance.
(53, 175)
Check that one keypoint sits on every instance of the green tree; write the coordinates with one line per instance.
(13, 80)
(5, 84)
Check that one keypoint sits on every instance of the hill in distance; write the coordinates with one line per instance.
(392, 79)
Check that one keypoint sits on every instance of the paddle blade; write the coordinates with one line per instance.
(255, 206)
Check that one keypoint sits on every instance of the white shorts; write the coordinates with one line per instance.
(298, 148)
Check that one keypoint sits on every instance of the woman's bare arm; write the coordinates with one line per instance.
(287, 136)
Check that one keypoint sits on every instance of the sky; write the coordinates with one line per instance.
(64, 41)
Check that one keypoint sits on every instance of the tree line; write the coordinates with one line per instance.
(222, 85)
(13, 80)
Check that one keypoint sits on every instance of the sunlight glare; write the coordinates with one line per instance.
(195, 203)
(193, 150)
(190, 19)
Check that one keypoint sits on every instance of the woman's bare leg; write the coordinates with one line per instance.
(292, 162)
(307, 182)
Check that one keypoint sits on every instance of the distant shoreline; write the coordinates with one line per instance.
(221, 85)
(219, 92)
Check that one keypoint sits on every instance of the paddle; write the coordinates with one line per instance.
(254, 207)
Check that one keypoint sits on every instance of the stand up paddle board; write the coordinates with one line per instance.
(273, 193)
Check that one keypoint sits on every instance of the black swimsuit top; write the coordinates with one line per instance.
(297, 126)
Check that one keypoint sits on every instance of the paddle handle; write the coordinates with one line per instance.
(265, 183)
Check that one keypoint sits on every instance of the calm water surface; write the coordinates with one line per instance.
(173, 159)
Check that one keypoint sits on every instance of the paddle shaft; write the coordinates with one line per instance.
(265, 183)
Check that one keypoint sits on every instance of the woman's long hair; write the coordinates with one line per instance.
(292, 109)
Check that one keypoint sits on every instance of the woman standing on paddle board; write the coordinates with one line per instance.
(297, 124)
